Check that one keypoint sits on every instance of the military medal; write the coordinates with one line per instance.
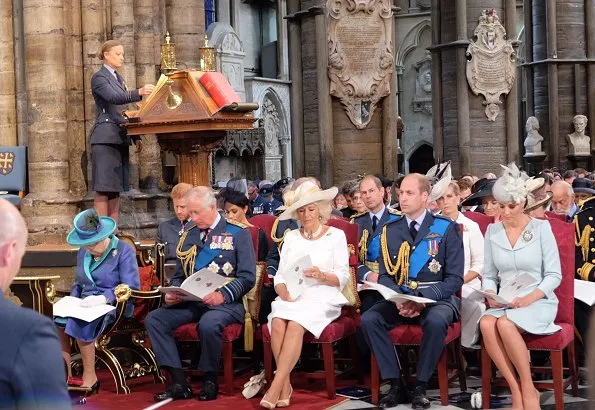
(227, 268)
(527, 236)
(434, 266)
(433, 250)
(213, 267)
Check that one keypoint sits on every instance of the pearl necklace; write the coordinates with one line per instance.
(314, 234)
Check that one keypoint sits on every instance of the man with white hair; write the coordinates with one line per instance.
(225, 248)
(563, 200)
(31, 366)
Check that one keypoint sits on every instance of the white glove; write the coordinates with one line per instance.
(91, 301)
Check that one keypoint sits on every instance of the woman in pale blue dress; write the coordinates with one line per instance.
(516, 245)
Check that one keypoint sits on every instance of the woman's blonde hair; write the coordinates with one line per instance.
(180, 190)
(456, 189)
(107, 46)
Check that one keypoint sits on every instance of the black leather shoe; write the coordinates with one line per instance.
(420, 401)
(209, 391)
(395, 396)
(175, 391)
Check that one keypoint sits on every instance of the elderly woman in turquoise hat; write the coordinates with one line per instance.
(103, 262)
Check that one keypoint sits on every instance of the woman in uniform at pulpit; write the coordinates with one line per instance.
(103, 263)
(109, 140)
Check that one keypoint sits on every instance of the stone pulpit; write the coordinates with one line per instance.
(191, 112)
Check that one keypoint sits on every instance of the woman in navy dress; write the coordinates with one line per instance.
(103, 262)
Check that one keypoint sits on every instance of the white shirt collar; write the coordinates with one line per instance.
(419, 219)
(216, 222)
(111, 70)
(378, 214)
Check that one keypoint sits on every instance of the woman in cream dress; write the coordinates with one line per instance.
(316, 306)
(472, 303)
(518, 244)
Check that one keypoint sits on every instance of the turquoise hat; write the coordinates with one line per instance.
(90, 228)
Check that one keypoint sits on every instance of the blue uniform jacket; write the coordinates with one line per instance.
(274, 255)
(240, 257)
(168, 233)
(449, 278)
(111, 99)
(364, 221)
(31, 365)
(119, 266)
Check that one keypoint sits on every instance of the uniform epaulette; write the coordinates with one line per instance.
(354, 217)
(587, 204)
(236, 223)
(443, 217)
(394, 211)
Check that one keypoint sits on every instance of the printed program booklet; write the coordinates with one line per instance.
(389, 294)
(584, 291)
(70, 306)
(197, 285)
(511, 290)
(294, 277)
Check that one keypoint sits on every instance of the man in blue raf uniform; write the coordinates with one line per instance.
(434, 249)
(206, 245)
(370, 224)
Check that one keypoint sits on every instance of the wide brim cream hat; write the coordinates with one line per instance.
(307, 193)
(534, 199)
(440, 176)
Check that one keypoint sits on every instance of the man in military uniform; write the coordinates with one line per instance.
(585, 262)
(370, 226)
(223, 247)
(420, 254)
(256, 200)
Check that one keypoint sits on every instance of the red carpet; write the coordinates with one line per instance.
(306, 396)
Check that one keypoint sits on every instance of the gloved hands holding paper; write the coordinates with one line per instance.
(92, 301)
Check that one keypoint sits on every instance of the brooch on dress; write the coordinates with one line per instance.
(527, 236)
(114, 253)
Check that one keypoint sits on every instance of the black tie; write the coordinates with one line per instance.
(412, 229)
(205, 234)
(374, 222)
(119, 78)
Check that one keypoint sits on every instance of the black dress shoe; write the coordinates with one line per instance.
(209, 391)
(395, 396)
(420, 401)
(175, 391)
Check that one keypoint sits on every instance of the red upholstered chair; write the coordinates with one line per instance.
(265, 222)
(341, 328)
(410, 335)
(553, 215)
(481, 219)
(557, 342)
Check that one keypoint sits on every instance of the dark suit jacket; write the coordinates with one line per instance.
(274, 254)
(111, 99)
(31, 366)
(451, 257)
(241, 258)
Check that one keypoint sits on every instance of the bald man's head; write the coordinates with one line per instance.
(13, 239)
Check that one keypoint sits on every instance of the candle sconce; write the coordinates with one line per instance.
(168, 68)
(207, 56)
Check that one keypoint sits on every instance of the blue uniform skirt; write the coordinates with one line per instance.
(110, 167)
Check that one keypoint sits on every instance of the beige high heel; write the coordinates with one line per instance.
(267, 404)
(286, 402)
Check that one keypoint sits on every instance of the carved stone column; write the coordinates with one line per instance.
(186, 24)
(295, 74)
(8, 112)
(48, 207)
(470, 113)
(284, 142)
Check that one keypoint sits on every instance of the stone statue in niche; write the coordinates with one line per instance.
(533, 140)
(271, 127)
(422, 101)
(579, 144)
(361, 60)
(491, 65)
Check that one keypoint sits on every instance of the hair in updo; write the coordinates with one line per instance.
(510, 187)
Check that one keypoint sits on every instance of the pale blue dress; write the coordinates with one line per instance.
(536, 253)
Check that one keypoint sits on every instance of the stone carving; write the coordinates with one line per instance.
(271, 127)
(422, 101)
(230, 55)
(360, 55)
(579, 144)
(491, 69)
(240, 142)
(533, 140)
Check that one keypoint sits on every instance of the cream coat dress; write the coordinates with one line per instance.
(320, 304)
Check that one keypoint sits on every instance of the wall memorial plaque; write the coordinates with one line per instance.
(360, 55)
(491, 69)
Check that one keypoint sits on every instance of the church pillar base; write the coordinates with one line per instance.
(534, 164)
(49, 216)
(581, 161)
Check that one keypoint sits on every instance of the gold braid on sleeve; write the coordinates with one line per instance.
(363, 246)
(275, 238)
(402, 259)
(583, 239)
(186, 257)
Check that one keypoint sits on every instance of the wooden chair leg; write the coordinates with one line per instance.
(228, 368)
(329, 369)
(355, 360)
(443, 376)
(268, 361)
(374, 379)
(572, 367)
(558, 378)
(461, 365)
(486, 378)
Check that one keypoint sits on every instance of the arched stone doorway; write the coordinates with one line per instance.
(422, 159)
